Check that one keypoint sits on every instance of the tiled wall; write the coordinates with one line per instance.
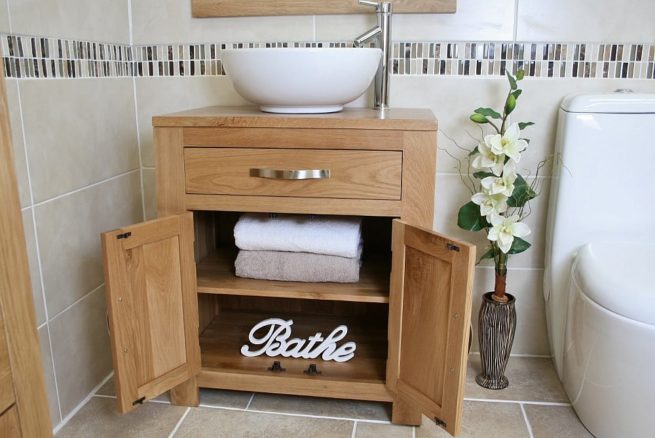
(78, 166)
(84, 149)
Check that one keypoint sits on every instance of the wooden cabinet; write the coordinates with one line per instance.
(179, 315)
(23, 402)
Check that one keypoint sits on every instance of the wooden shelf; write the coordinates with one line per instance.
(216, 276)
(362, 377)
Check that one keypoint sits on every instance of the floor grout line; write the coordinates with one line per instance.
(291, 414)
(250, 401)
(526, 402)
(352, 435)
(179, 423)
(527, 422)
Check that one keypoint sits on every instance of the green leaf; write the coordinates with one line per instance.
(518, 246)
(523, 125)
(474, 151)
(469, 217)
(517, 93)
(478, 118)
(512, 81)
(488, 112)
(482, 175)
(522, 193)
(520, 75)
(510, 104)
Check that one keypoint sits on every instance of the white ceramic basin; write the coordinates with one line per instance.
(301, 80)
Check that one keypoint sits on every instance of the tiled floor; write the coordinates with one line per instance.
(533, 406)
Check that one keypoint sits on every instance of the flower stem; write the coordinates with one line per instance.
(501, 277)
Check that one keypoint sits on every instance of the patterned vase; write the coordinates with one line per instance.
(496, 327)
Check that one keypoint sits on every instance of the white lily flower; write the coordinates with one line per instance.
(487, 159)
(509, 143)
(503, 184)
(505, 229)
(490, 203)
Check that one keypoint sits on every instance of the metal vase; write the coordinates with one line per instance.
(496, 327)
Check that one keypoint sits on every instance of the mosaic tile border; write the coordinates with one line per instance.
(38, 57)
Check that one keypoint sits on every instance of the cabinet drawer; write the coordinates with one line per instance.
(243, 171)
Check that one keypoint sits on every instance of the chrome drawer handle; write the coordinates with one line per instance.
(291, 174)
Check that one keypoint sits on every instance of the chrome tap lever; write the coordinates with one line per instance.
(376, 5)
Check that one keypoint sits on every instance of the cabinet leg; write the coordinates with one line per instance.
(402, 413)
(185, 394)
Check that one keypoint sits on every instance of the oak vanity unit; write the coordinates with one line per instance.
(179, 315)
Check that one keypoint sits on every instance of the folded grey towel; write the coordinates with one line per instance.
(296, 266)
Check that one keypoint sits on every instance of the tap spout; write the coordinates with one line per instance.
(368, 36)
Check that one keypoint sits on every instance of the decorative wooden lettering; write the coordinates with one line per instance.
(275, 342)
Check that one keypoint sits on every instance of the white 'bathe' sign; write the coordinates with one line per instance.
(275, 342)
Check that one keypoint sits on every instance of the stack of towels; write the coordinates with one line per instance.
(298, 248)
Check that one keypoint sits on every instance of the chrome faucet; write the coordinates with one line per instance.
(382, 35)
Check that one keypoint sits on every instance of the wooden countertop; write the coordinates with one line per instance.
(350, 118)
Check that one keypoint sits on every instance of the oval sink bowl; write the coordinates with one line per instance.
(301, 80)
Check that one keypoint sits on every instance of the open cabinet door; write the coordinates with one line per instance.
(430, 313)
(150, 275)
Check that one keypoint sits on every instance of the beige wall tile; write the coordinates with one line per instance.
(46, 357)
(81, 350)
(150, 193)
(474, 20)
(100, 419)
(483, 420)
(344, 27)
(69, 236)
(453, 99)
(98, 20)
(170, 21)
(207, 422)
(20, 162)
(586, 20)
(78, 132)
(531, 379)
(157, 96)
(35, 277)
(4, 18)
(559, 421)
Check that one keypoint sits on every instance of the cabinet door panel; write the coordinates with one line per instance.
(9, 425)
(153, 311)
(430, 307)
(6, 384)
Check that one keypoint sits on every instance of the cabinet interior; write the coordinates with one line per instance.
(230, 306)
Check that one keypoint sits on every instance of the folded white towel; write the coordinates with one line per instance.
(329, 235)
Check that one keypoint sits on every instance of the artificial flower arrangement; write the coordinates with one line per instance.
(500, 195)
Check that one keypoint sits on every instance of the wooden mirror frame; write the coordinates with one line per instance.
(244, 8)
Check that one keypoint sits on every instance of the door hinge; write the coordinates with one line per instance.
(138, 401)
(439, 422)
(124, 235)
(452, 247)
